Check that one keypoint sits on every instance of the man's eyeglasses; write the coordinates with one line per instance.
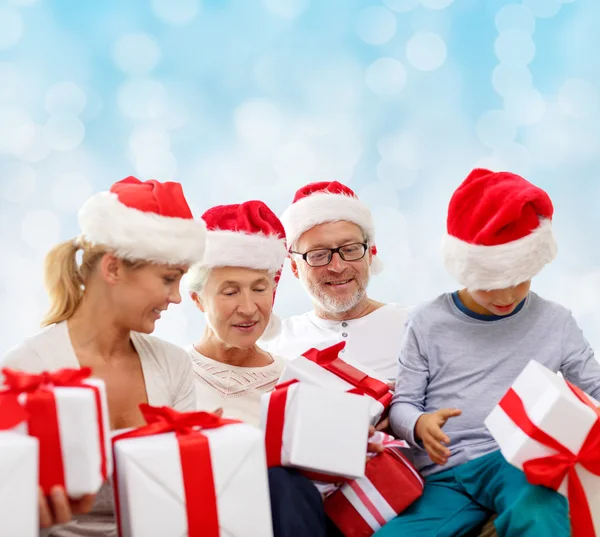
(323, 256)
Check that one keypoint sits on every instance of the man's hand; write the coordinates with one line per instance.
(372, 447)
(58, 509)
(428, 429)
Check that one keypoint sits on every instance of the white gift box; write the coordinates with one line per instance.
(151, 488)
(80, 444)
(19, 514)
(324, 431)
(305, 370)
(554, 408)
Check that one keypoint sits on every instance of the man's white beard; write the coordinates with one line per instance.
(336, 305)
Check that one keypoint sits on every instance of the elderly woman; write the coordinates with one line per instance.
(137, 242)
(234, 287)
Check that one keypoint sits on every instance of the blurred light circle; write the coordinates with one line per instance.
(386, 77)
(11, 120)
(294, 160)
(509, 79)
(426, 51)
(142, 98)
(401, 6)
(64, 132)
(70, 191)
(136, 54)
(515, 46)
(436, 4)
(258, 121)
(12, 84)
(11, 27)
(495, 129)
(18, 181)
(160, 165)
(395, 175)
(176, 12)
(40, 229)
(378, 194)
(64, 99)
(543, 8)
(286, 9)
(515, 17)
(578, 98)
(376, 25)
(525, 108)
(30, 143)
(149, 138)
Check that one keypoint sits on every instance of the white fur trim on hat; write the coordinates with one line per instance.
(250, 250)
(323, 207)
(139, 235)
(498, 267)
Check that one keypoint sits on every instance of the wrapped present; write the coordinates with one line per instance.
(326, 369)
(391, 483)
(323, 432)
(67, 412)
(191, 474)
(550, 429)
(19, 513)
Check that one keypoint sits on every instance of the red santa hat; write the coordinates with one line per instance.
(499, 231)
(319, 203)
(144, 220)
(244, 235)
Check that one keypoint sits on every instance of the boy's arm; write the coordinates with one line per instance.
(579, 365)
(408, 403)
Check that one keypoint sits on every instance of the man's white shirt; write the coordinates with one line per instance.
(373, 340)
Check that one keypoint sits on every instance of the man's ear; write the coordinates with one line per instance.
(111, 268)
(197, 300)
(294, 267)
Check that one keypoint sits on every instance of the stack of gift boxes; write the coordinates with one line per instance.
(198, 474)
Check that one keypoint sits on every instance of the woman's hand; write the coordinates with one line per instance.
(56, 508)
(428, 429)
(371, 446)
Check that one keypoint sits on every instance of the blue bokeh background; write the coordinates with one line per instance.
(247, 99)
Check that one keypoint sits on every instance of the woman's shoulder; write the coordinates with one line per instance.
(165, 353)
(37, 352)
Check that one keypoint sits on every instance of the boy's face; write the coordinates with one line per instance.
(501, 301)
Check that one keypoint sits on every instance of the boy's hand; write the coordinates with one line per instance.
(428, 429)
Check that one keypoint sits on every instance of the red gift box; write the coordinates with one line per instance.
(391, 483)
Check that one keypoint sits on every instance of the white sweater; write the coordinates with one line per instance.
(169, 382)
(237, 390)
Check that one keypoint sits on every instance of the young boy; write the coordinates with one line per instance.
(462, 351)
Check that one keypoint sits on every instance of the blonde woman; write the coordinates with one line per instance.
(137, 242)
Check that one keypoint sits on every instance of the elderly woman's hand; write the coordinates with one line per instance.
(373, 447)
(57, 508)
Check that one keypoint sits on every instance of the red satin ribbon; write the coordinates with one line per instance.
(196, 465)
(551, 470)
(275, 422)
(41, 415)
(363, 384)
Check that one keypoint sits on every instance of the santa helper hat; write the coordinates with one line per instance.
(245, 235)
(499, 231)
(144, 220)
(319, 203)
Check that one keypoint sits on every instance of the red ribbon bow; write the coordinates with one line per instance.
(41, 415)
(196, 465)
(363, 384)
(552, 470)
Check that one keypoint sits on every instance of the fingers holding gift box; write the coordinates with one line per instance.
(184, 474)
(550, 429)
(324, 368)
(315, 429)
(67, 412)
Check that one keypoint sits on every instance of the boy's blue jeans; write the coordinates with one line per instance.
(457, 500)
